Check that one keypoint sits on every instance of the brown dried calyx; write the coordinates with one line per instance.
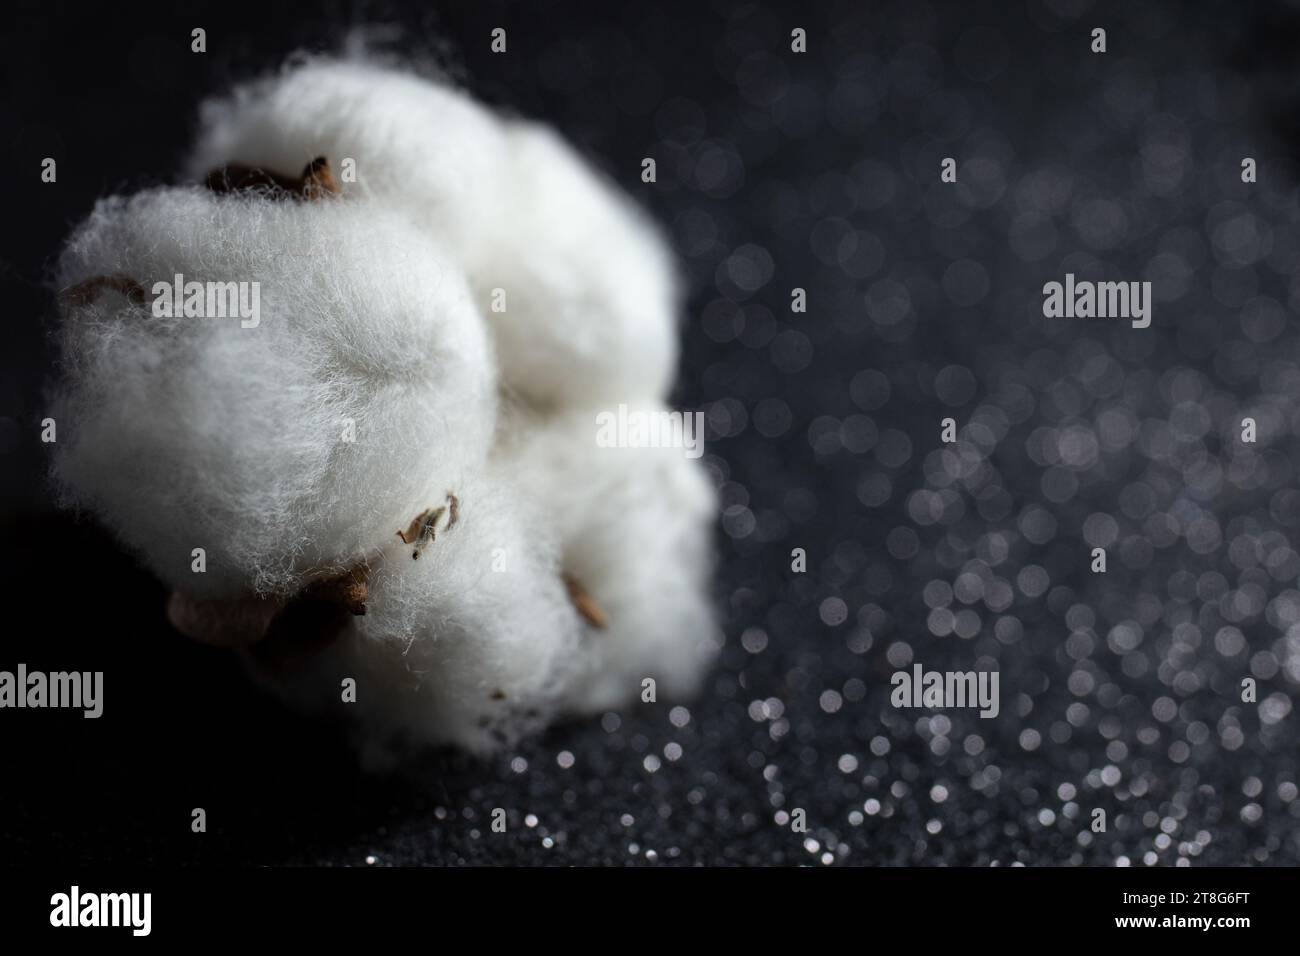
(281, 632)
(310, 619)
(316, 182)
(423, 528)
(88, 290)
(586, 605)
(423, 531)
(349, 590)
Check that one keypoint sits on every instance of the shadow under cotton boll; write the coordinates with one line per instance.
(240, 459)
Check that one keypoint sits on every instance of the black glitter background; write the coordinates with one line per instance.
(779, 170)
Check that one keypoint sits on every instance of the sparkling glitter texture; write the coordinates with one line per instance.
(1120, 691)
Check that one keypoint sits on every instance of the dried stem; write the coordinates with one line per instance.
(316, 181)
(423, 528)
(586, 605)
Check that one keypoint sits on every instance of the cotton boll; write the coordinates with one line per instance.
(635, 528)
(197, 432)
(591, 295)
(422, 146)
(471, 644)
(576, 283)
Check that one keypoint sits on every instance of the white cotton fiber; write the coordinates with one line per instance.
(586, 304)
(478, 642)
(472, 644)
(343, 452)
(635, 528)
(424, 147)
(198, 432)
(592, 302)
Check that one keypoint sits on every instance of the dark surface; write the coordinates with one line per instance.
(1119, 691)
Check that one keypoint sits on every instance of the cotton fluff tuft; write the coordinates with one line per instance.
(635, 526)
(592, 300)
(587, 301)
(194, 432)
(473, 644)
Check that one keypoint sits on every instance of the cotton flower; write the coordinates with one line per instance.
(575, 282)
